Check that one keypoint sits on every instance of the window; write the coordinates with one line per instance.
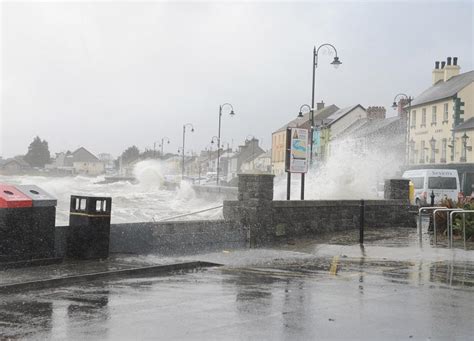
(423, 117)
(445, 112)
(422, 152)
(442, 183)
(433, 150)
(444, 144)
(413, 119)
(433, 115)
(418, 182)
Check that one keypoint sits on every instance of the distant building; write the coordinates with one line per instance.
(441, 123)
(86, 163)
(80, 161)
(279, 136)
(258, 163)
(246, 152)
(14, 166)
(437, 124)
(336, 124)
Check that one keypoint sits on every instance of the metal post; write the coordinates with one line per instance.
(162, 148)
(302, 186)
(218, 144)
(432, 196)
(408, 132)
(312, 107)
(288, 185)
(361, 221)
(464, 229)
(447, 210)
(420, 214)
(182, 168)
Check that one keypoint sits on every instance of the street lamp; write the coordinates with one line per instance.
(163, 143)
(301, 115)
(160, 145)
(219, 134)
(336, 62)
(184, 142)
(396, 100)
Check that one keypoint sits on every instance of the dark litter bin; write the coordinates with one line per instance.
(89, 227)
(15, 221)
(41, 233)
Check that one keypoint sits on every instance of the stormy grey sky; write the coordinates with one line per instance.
(109, 75)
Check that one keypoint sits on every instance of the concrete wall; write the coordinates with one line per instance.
(267, 219)
(213, 191)
(172, 237)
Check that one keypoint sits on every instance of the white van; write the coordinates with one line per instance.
(443, 182)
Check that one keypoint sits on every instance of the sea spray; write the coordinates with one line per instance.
(142, 202)
(352, 171)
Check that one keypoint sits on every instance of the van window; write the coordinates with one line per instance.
(418, 182)
(442, 183)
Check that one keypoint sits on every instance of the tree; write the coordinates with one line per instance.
(130, 154)
(148, 154)
(38, 153)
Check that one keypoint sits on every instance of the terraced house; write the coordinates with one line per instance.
(441, 123)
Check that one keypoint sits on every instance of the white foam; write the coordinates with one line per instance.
(351, 172)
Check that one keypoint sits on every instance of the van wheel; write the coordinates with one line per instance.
(418, 202)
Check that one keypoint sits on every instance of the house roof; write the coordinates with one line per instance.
(319, 115)
(442, 90)
(387, 127)
(16, 160)
(334, 117)
(254, 156)
(83, 155)
(390, 129)
(467, 125)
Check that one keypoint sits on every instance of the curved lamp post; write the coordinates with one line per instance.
(184, 142)
(163, 143)
(396, 101)
(301, 115)
(231, 113)
(336, 62)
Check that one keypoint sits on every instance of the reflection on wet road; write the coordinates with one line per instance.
(305, 290)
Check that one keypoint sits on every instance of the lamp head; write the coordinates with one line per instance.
(300, 114)
(192, 130)
(394, 105)
(232, 113)
(336, 62)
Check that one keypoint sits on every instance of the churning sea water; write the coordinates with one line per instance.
(145, 201)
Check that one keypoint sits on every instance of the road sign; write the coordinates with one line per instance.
(297, 150)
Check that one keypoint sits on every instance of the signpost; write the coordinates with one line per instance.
(296, 160)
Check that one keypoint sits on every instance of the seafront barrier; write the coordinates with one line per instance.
(252, 219)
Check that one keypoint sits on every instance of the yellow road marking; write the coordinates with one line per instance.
(334, 264)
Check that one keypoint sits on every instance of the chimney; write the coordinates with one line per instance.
(438, 74)
(376, 113)
(451, 70)
(320, 105)
(443, 64)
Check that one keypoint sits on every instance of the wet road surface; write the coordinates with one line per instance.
(302, 290)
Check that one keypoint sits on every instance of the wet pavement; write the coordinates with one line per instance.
(329, 288)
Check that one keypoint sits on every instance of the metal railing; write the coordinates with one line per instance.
(420, 211)
(434, 221)
(450, 225)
